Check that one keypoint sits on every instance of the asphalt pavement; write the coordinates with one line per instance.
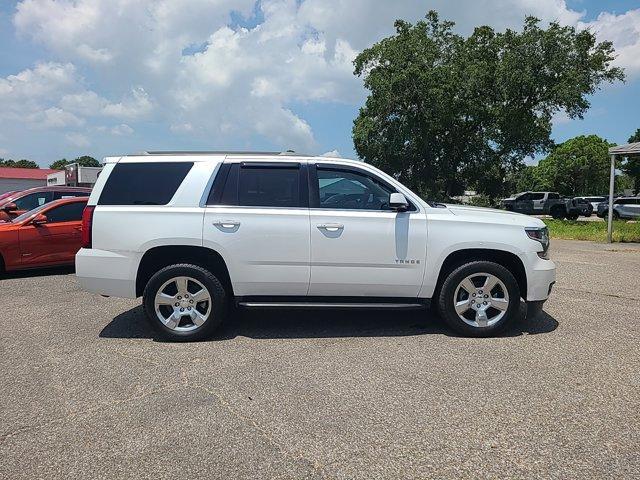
(87, 391)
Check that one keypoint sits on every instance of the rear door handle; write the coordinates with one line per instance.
(226, 223)
(331, 227)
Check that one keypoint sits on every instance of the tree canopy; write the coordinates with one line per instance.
(18, 163)
(445, 112)
(580, 166)
(83, 161)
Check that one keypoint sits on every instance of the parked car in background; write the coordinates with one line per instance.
(7, 194)
(578, 207)
(623, 208)
(26, 200)
(48, 235)
(544, 203)
(193, 232)
(595, 201)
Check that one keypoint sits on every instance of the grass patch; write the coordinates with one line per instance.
(594, 231)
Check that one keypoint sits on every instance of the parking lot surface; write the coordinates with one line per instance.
(88, 392)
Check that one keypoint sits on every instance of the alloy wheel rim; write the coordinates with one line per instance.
(481, 300)
(183, 304)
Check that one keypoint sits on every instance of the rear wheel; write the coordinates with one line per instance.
(479, 299)
(184, 302)
(616, 215)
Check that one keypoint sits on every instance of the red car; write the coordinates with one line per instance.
(26, 200)
(47, 236)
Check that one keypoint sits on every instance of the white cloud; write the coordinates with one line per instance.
(332, 153)
(136, 105)
(122, 130)
(624, 31)
(77, 139)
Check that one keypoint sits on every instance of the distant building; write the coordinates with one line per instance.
(23, 178)
(74, 175)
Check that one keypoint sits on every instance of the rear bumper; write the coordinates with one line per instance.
(541, 275)
(107, 273)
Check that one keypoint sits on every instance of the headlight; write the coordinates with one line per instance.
(540, 234)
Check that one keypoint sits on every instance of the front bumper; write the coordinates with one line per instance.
(541, 275)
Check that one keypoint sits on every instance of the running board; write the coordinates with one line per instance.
(372, 305)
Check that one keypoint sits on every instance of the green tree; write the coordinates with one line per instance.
(631, 166)
(84, 161)
(18, 163)
(579, 166)
(447, 113)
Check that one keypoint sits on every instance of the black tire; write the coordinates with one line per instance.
(573, 217)
(448, 290)
(208, 280)
(558, 213)
(616, 215)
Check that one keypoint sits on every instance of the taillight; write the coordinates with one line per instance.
(87, 221)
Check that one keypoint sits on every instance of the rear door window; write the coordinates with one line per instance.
(262, 185)
(537, 196)
(152, 183)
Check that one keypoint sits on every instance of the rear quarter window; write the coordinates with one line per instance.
(143, 183)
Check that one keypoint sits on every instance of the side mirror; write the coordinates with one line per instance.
(10, 207)
(398, 202)
(39, 219)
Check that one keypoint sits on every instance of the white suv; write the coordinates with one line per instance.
(194, 233)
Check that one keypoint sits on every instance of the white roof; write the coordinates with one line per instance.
(628, 149)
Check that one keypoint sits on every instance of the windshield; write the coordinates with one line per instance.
(25, 215)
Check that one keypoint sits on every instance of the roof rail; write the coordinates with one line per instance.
(218, 152)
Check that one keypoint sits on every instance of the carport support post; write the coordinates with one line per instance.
(612, 177)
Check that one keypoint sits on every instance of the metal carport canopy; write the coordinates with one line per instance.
(619, 151)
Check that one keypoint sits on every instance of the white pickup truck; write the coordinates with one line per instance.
(195, 233)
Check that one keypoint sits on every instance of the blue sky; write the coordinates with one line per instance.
(105, 77)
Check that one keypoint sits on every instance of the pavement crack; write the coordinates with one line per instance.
(612, 295)
(101, 406)
(295, 454)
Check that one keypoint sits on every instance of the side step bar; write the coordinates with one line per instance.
(333, 305)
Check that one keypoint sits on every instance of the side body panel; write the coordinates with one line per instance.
(122, 234)
(49, 244)
(266, 249)
(10, 247)
(449, 232)
(373, 253)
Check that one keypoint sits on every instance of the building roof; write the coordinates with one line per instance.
(26, 173)
(628, 149)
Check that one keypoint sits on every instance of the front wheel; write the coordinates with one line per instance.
(184, 302)
(479, 299)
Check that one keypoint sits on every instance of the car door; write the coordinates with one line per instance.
(359, 247)
(257, 217)
(55, 242)
(523, 204)
(538, 200)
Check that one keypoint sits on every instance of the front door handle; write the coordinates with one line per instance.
(227, 223)
(331, 227)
